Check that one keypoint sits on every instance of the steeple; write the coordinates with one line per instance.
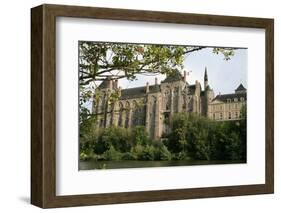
(241, 89)
(205, 75)
(205, 78)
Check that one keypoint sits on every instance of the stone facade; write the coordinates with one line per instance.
(153, 105)
(228, 106)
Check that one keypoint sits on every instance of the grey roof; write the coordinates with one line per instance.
(138, 92)
(231, 96)
(175, 76)
(105, 84)
(240, 88)
(154, 88)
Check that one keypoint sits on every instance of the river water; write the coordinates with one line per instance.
(92, 164)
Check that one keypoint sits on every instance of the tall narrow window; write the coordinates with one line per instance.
(175, 99)
(120, 119)
(127, 120)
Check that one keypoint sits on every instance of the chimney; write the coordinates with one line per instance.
(116, 84)
(147, 87)
(119, 91)
(156, 81)
(110, 84)
(184, 75)
(197, 84)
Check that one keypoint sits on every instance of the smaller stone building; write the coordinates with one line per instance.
(228, 106)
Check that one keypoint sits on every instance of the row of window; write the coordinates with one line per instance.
(225, 106)
(229, 115)
(235, 99)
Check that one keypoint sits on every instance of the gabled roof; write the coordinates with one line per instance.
(175, 76)
(138, 92)
(240, 88)
(105, 84)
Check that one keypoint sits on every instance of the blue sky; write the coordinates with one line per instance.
(224, 76)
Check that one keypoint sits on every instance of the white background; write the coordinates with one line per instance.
(15, 105)
(71, 181)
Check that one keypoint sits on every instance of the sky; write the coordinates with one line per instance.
(224, 76)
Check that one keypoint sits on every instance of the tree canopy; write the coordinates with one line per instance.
(103, 60)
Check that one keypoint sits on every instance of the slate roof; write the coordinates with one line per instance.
(240, 88)
(138, 92)
(176, 76)
(231, 97)
(104, 84)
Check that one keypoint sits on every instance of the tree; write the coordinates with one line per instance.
(200, 138)
(100, 61)
(177, 139)
(103, 60)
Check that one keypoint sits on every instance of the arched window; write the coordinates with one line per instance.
(175, 99)
(167, 99)
(120, 119)
(152, 115)
(94, 109)
(127, 120)
(103, 101)
(135, 109)
(110, 113)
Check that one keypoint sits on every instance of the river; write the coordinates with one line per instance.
(92, 164)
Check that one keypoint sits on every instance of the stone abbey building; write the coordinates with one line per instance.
(153, 105)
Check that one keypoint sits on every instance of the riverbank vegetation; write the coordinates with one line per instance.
(191, 137)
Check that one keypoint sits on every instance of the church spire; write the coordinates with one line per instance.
(205, 75)
(205, 78)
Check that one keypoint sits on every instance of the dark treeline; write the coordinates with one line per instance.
(191, 137)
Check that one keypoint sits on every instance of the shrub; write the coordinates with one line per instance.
(102, 144)
(180, 156)
(119, 138)
(84, 156)
(162, 153)
(112, 154)
(147, 153)
(128, 156)
(140, 136)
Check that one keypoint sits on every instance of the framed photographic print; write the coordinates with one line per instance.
(136, 106)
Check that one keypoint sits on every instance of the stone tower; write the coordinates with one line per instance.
(208, 94)
(205, 79)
